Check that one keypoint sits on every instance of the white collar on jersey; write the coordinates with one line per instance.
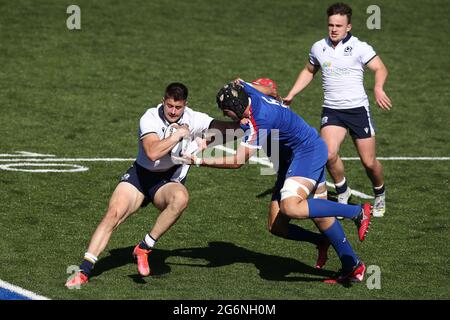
(343, 41)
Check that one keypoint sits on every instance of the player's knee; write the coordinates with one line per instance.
(179, 200)
(370, 163)
(293, 208)
(113, 217)
(323, 223)
(332, 156)
(277, 230)
(271, 227)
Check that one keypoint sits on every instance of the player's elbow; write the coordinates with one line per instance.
(153, 156)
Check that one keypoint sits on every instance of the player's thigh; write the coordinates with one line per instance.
(295, 191)
(333, 137)
(125, 200)
(172, 193)
(366, 149)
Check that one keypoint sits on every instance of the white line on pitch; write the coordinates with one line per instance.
(403, 158)
(69, 160)
(21, 291)
(26, 154)
(265, 161)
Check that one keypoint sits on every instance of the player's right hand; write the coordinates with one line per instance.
(288, 100)
(182, 131)
(382, 99)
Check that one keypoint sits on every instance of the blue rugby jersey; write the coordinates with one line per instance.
(266, 114)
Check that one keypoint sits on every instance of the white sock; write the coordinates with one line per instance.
(90, 257)
(149, 241)
(340, 184)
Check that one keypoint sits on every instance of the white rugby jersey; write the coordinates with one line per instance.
(342, 71)
(153, 121)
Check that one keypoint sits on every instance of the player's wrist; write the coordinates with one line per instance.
(198, 161)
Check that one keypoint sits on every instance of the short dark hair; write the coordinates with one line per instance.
(340, 8)
(177, 91)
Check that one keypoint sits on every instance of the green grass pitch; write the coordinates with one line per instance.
(80, 94)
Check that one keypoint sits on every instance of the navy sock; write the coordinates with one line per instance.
(320, 208)
(299, 234)
(342, 188)
(344, 250)
(86, 267)
(144, 245)
(379, 192)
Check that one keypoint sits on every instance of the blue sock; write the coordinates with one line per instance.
(320, 208)
(299, 234)
(339, 241)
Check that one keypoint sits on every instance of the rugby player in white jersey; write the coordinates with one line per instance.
(342, 58)
(154, 177)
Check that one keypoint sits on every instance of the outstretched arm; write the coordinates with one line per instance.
(303, 79)
(236, 161)
(381, 73)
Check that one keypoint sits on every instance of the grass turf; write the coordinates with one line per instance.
(81, 93)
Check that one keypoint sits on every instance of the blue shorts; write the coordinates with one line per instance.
(358, 121)
(149, 182)
(309, 162)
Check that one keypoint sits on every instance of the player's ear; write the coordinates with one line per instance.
(349, 27)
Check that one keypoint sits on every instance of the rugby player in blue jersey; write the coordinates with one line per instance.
(303, 172)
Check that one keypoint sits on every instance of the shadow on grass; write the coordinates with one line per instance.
(217, 254)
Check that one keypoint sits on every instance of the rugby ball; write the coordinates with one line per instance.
(181, 146)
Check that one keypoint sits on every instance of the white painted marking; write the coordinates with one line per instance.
(12, 167)
(70, 160)
(265, 161)
(21, 291)
(403, 158)
(26, 154)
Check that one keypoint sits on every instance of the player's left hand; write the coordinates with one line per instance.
(238, 81)
(382, 99)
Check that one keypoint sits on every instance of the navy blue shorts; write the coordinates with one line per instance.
(149, 182)
(357, 121)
